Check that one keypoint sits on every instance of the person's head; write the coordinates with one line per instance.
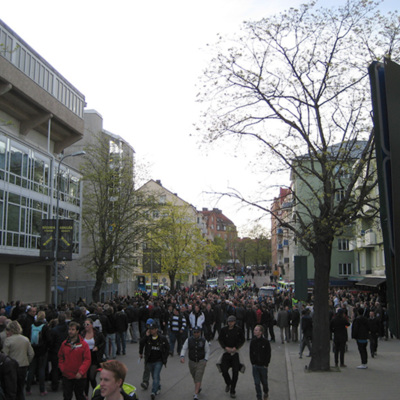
(258, 331)
(41, 316)
(88, 324)
(13, 328)
(31, 311)
(231, 321)
(196, 332)
(153, 328)
(112, 377)
(73, 330)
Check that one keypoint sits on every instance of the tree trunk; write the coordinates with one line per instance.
(320, 353)
(172, 279)
(97, 286)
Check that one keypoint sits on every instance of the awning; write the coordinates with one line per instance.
(374, 281)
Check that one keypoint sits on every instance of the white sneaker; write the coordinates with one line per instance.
(363, 366)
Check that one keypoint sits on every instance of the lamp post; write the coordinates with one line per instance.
(78, 153)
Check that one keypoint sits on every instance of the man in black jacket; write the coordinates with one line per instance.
(260, 357)
(338, 325)
(231, 340)
(156, 351)
(360, 332)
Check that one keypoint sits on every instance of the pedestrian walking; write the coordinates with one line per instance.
(260, 357)
(199, 353)
(74, 362)
(231, 340)
(156, 350)
(306, 331)
(360, 332)
(19, 348)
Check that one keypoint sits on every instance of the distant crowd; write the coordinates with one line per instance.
(108, 326)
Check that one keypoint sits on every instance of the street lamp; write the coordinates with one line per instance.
(78, 153)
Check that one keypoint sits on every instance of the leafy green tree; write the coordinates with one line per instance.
(296, 86)
(221, 252)
(255, 249)
(115, 216)
(180, 242)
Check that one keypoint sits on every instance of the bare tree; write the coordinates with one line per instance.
(297, 85)
(115, 215)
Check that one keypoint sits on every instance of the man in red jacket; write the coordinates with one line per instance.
(74, 361)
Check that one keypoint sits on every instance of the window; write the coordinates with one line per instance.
(343, 244)
(345, 268)
(339, 195)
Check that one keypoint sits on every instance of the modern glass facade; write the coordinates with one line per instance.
(28, 195)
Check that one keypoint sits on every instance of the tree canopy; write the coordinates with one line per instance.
(114, 215)
(296, 84)
(179, 239)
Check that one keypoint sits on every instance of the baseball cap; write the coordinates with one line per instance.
(231, 318)
(153, 326)
(150, 321)
(196, 329)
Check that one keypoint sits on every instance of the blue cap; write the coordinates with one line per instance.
(150, 321)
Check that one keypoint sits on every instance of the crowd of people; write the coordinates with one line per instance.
(69, 344)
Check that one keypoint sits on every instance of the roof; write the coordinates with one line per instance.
(373, 281)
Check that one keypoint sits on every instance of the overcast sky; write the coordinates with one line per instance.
(137, 63)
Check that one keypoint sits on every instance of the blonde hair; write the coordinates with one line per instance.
(14, 327)
(41, 316)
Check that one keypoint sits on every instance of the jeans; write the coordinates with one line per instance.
(230, 361)
(121, 342)
(135, 336)
(260, 376)
(38, 364)
(74, 386)
(110, 339)
(155, 370)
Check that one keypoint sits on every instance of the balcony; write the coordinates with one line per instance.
(352, 245)
(360, 242)
(370, 238)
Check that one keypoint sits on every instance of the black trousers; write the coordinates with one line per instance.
(230, 361)
(74, 386)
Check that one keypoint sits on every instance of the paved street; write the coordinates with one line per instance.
(288, 378)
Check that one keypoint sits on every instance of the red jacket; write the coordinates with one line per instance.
(74, 358)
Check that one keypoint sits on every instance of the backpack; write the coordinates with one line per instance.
(36, 335)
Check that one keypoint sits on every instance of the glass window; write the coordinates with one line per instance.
(343, 244)
(13, 218)
(345, 268)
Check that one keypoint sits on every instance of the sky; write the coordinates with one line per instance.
(138, 63)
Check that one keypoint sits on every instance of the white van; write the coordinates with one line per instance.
(266, 291)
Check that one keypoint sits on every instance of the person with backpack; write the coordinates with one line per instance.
(19, 348)
(39, 341)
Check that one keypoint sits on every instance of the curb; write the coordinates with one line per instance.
(290, 378)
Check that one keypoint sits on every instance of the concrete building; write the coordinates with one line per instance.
(41, 114)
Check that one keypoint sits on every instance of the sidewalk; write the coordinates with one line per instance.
(379, 381)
